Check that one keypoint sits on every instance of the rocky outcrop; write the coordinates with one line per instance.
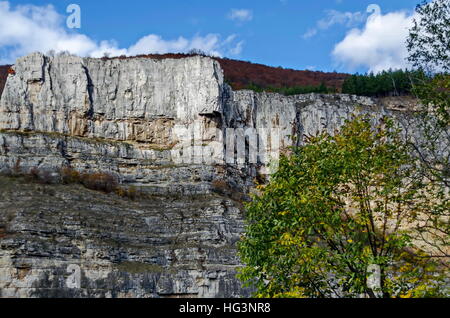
(136, 117)
(114, 99)
(171, 128)
(155, 247)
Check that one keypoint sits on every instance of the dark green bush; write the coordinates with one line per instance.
(386, 83)
(294, 90)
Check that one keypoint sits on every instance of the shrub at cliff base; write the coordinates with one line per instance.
(98, 181)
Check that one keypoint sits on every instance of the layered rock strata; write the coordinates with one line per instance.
(171, 128)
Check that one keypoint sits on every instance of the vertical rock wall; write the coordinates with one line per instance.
(125, 117)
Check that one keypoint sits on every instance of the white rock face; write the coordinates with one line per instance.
(114, 99)
(144, 102)
(125, 116)
(300, 115)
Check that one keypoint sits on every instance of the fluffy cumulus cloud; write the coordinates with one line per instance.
(379, 45)
(211, 44)
(241, 15)
(28, 28)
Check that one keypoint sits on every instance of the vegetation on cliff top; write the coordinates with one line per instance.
(386, 83)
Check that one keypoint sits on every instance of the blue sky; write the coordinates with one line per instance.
(321, 35)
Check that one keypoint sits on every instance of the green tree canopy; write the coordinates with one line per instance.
(429, 38)
(429, 49)
(386, 83)
(335, 207)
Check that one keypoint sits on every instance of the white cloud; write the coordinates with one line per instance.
(236, 50)
(379, 45)
(337, 17)
(334, 17)
(210, 44)
(156, 44)
(240, 15)
(310, 33)
(28, 28)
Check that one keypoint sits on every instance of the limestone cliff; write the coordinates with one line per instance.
(161, 126)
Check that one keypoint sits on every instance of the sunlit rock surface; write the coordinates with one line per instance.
(158, 125)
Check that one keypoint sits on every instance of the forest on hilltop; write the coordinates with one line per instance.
(246, 75)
